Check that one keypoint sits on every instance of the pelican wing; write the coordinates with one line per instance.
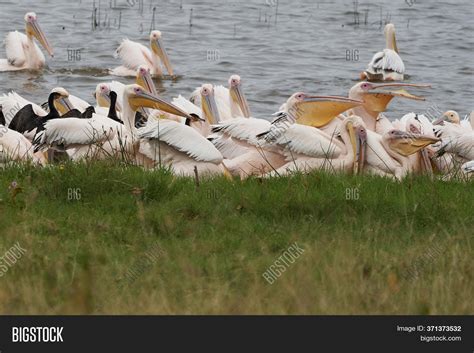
(466, 125)
(308, 141)
(14, 43)
(78, 103)
(182, 138)
(238, 136)
(14, 146)
(386, 60)
(71, 132)
(243, 129)
(12, 103)
(461, 145)
(133, 54)
(187, 106)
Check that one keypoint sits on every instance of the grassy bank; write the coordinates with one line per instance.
(108, 239)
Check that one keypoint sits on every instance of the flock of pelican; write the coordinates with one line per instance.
(214, 133)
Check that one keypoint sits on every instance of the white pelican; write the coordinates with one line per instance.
(231, 102)
(182, 145)
(248, 144)
(179, 147)
(206, 114)
(387, 155)
(143, 78)
(376, 97)
(101, 136)
(386, 65)
(134, 54)
(22, 52)
(453, 117)
(308, 148)
(421, 161)
(456, 140)
(16, 147)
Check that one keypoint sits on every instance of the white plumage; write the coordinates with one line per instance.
(12, 102)
(182, 138)
(456, 140)
(21, 53)
(133, 55)
(386, 60)
(74, 133)
(16, 147)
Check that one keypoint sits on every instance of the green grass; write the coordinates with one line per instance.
(400, 248)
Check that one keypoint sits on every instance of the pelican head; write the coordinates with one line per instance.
(237, 95)
(61, 100)
(317, 111)
(208, 104)
(389, 32)
(144, 79)
(449, 116)
(406, 143)
(358, 136)
(377, 96)
(33, 29)
(102, 96)
(413, 125)
(138, 97)
(158, 49)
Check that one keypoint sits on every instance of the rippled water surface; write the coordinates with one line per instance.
(278, 48)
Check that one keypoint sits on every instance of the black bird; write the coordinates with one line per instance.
(74, 113)
(26, 120)
(112, 111)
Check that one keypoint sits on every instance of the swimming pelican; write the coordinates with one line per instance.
(386, 65)
(134, 54)
(376, 97)
(22, 52)
(308, 148)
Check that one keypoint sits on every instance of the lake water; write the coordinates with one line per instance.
(277, 47)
